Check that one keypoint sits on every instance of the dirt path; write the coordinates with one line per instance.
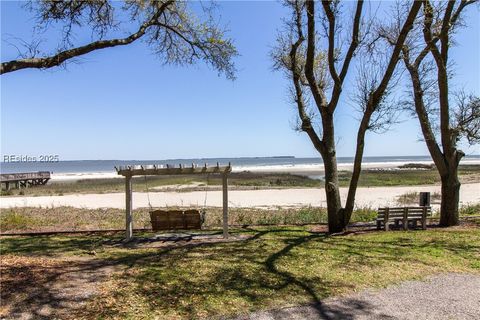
(445, 296)
(46, 288)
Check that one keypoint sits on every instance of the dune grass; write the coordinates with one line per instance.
(168, 183)
(411, 198)
(70, 218)
(470, 209)
(34, 219)
(275, 267)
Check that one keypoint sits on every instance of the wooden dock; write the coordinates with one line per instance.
(24, 179)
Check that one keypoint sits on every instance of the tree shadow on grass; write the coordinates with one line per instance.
(317, 308)
(251, 277)
(50, 245)
(208, 279)
(39, 288)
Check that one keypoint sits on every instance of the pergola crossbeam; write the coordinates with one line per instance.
(154, 170)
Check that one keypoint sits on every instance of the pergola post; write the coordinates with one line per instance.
(128, 208)
(225, 205)
(131, 171)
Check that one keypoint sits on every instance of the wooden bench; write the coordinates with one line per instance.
(176, 220)
(403, 215)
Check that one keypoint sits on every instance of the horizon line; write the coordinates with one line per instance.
(216, 158)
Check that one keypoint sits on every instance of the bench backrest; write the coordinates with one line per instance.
(398, 212)
(175, 219)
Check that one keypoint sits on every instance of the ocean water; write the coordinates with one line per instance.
(239, 164)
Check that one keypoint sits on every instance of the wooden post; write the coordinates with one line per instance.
(386, 217)
(405, 218)
(424, 218)
(128, 208)
(225, 205)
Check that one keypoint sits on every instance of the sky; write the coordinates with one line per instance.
(123, 103)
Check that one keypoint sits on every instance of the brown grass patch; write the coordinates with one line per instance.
(44, 288)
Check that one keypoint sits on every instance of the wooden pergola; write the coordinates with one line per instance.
(160, 170)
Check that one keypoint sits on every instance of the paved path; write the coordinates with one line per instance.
(366, 197)
(446, 296)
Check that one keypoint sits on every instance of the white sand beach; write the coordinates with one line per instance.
(295, 197)
(301, 169)
(312, 169)
(60, 177)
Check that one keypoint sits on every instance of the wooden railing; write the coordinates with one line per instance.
(12, 177)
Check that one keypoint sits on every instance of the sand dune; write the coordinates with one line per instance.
(371, 197)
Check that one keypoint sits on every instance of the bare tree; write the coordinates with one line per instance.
(318, 77)
(168, 27)
(444, 121)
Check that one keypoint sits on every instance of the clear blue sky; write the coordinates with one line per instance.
(122, 103)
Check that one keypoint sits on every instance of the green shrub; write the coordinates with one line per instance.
(364, 214)
(470, 209)
(12, 220)
(7, 192)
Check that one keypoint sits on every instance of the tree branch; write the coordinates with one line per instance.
(318, 95)
(372, 104)
(331, 42)
(395, 56)
(337, 89)
(306, 125)
(423, 117)
(58, 59)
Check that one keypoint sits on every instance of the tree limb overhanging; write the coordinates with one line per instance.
(166, 26)
(61, 57)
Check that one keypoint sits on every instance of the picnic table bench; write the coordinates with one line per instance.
(405, 215)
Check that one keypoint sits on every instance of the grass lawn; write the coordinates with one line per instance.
(275, 267)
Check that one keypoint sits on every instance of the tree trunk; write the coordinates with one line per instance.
(357, 166)
(450, 198)
(336, 220)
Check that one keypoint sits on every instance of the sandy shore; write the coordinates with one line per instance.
(302, 169)
(60, 177)
(366, 197)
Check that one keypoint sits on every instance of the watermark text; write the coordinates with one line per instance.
(15, 158)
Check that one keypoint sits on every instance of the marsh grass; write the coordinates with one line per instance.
(169, 183)
(412, 198)
(245, 180)
(34, 219)
(30, 219)
(470, 209)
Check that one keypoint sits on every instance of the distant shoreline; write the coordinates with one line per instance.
(311, 170)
